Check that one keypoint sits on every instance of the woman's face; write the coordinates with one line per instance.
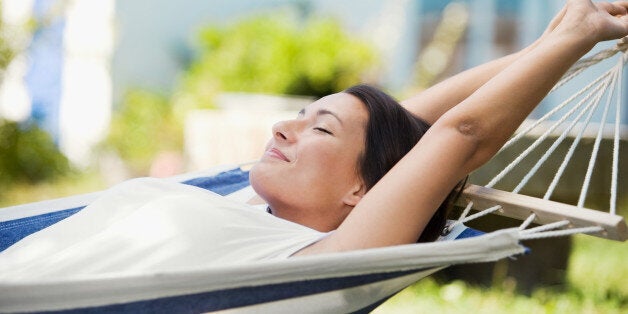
(308, 173)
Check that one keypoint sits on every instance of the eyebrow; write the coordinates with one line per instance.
(322, 112)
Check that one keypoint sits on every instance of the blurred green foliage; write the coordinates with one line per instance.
(265, 54)
(7, 52)
(141, 127)
(28, 154)
(276, 55)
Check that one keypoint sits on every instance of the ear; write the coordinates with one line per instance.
(355, 194)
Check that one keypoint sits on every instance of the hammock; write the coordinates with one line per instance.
(342, 282)
(356, 281)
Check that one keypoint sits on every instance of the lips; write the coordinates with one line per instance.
(275, 153)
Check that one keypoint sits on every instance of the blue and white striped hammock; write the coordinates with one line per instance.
(339, 282)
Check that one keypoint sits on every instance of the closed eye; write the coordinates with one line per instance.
(323, 130)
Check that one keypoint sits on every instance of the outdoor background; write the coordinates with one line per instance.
(96, 92)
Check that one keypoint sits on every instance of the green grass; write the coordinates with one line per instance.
(597, 282)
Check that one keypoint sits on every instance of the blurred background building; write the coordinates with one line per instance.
(78, 61)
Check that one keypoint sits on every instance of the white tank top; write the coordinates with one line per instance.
(153, 225)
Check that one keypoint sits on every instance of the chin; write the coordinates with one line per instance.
(269, 185)
(254, 177)
(261, 181)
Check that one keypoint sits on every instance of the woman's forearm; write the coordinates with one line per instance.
(492, 114)
(432, 103)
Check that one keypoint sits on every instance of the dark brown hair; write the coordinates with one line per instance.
(391, 132)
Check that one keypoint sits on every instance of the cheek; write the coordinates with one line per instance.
(322, 156)
(340, 162)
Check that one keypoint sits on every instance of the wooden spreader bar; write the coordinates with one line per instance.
(520, 207)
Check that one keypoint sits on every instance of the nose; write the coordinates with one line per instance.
(285, 130)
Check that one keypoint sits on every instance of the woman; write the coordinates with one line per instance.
(348, 173)
(472, 115)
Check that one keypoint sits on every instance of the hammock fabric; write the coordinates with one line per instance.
(340, 282)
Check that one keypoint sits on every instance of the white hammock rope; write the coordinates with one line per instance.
(541, 138)
(527, 222)
(583, 64)
(566, 159)
(560, 233)
(598, 139)
(615, 167)
(482, 213)
(465, 212)
(569, 154)
(590, 108)
(527, 130)
(551, 226)
(608, 83)
(463, 220)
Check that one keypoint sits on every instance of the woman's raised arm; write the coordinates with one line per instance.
(433, 102)
(398, 207)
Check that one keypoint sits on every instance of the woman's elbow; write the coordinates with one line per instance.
(471, 137)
